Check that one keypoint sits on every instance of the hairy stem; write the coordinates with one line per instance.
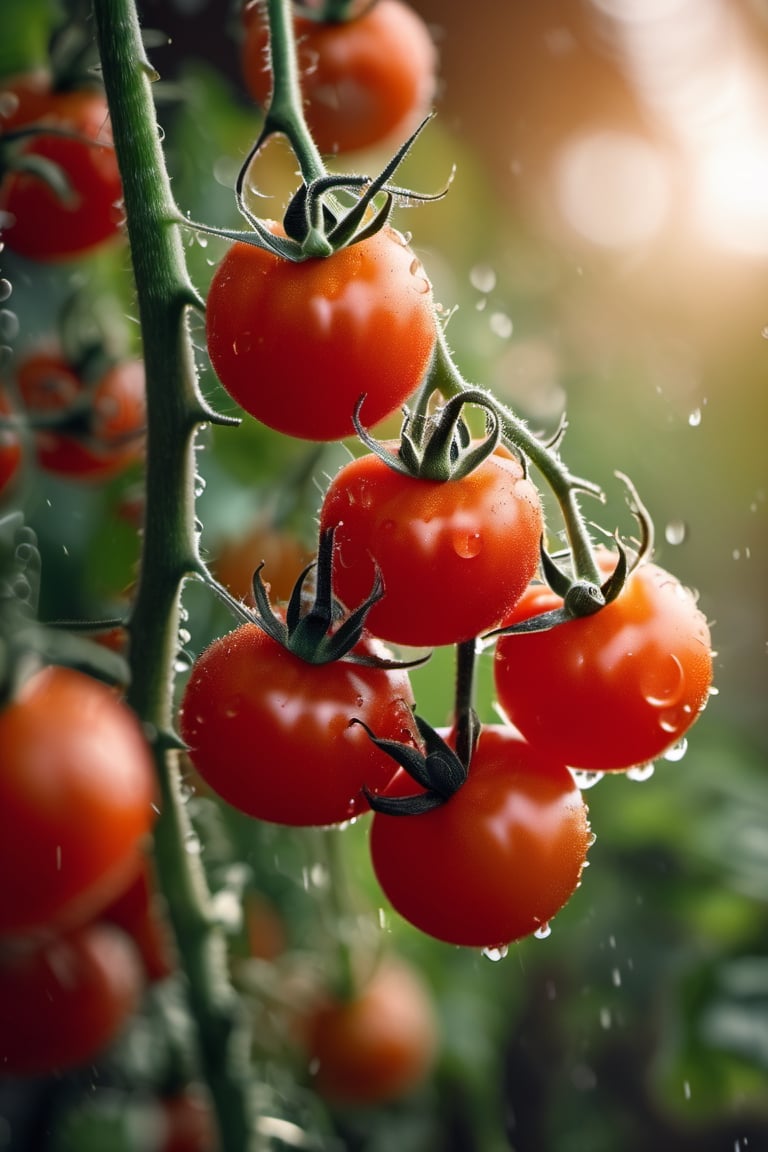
(170, 550)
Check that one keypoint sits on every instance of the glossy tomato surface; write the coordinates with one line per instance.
(77, 790)
(613, 690)
(42, 224)
(498, 859)
(378, 1045)
(63, 1002)
(105, 434)
(296, 345)
(454, 556)
(271, 734)
(365, 81)
(10, 445)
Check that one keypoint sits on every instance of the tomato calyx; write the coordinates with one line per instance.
(315, 626)
(438, 769)
(438, 446)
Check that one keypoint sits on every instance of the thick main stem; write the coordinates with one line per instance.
(170, 552)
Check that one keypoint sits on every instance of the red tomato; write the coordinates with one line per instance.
(187, 1123)
(10, 446)
(63, 1002)
(378, 1045)
(140, 912)
(454, 556)
(613, 690)
(43, 225)
(498, 859)
(77, 789)
(109, 436)
(364, 80)
(297, 344)
(271, 734)
(281, 552)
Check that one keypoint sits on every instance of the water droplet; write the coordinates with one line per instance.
(640, 772)
(676, 532)
(5, 289)
(9, 324)
(585, 779)
(496, 953)
(694, 418)
(242, 343)
(677, 751)
(616, 978)
(318, 875)
(192, 844)
(687, 1089)
(764, 332)
(483, 277)
(467, 544)
(501, 325)
(543, 931)
(663, 686)
(605, 1018)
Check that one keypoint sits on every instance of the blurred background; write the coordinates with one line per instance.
(605, 243)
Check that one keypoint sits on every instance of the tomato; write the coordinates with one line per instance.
(77, 790)
(139, 910)
(43, 225)
(365, 80)
(63, 1002)
(378, 1045)
(296, 344)
(264, 927)
(613, 690)
(186, 1123)
(271, 733)
(454, 555)
(497, 860)
(281, 552)
(10, 445)
(106, 437)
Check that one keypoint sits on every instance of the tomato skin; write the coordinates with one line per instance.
(140, 912)
(364, 80)
(378, 1045)
(64, 1001)
(112, 437)
(454, 556)
(45, 227)
(271, 734)
(613, 690)
(297, 344)
(498, 859)
(77, 790)
(10, 446)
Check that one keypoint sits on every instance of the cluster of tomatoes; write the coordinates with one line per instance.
(436, 541)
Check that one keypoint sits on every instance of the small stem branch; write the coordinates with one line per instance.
(170, 551)
(446, 377)
(465, 717)
(286, 110)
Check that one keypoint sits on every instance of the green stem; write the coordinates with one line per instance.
(445, 376)
(465, 718)
(286, 109)
(170, 552)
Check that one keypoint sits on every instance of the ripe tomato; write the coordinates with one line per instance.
(297, 344)
(498, 859)
(109, 434)
(281, 552)
(378, 1045)
(271, 734)
(77, 790)
(454, 556)
(186, 1123)
(364, 80)
(10, 445)
(613, 690)
(63, 1002)
(140, 912)
(42, 224)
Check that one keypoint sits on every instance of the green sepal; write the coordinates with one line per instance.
(438, 770)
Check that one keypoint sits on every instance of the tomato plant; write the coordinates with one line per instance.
(378, 1044)
(62, 1002)
(96, 430)
(76, 800)
(271, 733)
(364, 79)
(52, 223)
(496, 860)
(454, 555)
(297, 344)
(615, 689)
